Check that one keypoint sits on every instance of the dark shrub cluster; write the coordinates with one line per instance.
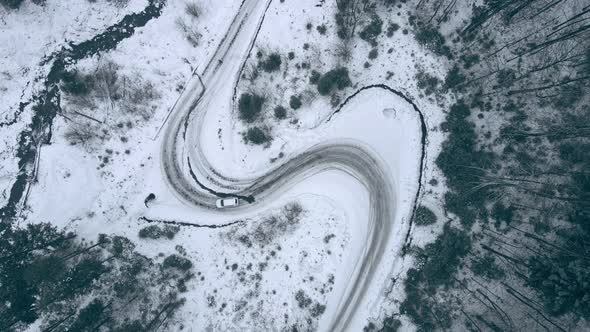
(295, 102)
(469, 60)
(280, 112)
(193, 9)
(454, 79)
(74, 83)
(373, 54)
(271, 63)
(335, 78)
(257, 136)
(391, 29)
(249, 107)
(372, 30)
(427, 82)
(487, 267)
(424, 216)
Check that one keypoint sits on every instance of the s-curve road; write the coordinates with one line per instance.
(192, 178)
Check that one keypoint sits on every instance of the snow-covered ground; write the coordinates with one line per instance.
(32, 32)
(159, 54)
(77, 189)
(284, 30)
(28, 35)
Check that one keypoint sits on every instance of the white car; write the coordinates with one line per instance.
(226, 202)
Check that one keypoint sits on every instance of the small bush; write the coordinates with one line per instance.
(506, 77)
(151, 232)
(80, 134)
(469, 60)
(322, 29)
(249, 107)
(317, 310)
(391, 29)
(257, 136)
(392, 324)
(292, 212)
(424, 216)
(190, 31)
(370, 32)
(335, 100)
(272, 63)
(373, 54)
(427, 82)
(295, 102)
(75, 83)
(429, 37)
(280, 112)
(502, 214)
(454, 78)
(315, 77)
(193, 9)
(335, 78)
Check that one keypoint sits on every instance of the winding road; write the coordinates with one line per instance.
(197, 183)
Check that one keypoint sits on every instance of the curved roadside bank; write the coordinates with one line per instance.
(423, 140)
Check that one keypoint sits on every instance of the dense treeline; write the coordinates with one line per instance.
(517, 166)
(516, 163)
(53, 279)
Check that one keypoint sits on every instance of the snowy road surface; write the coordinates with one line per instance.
(184, 161)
